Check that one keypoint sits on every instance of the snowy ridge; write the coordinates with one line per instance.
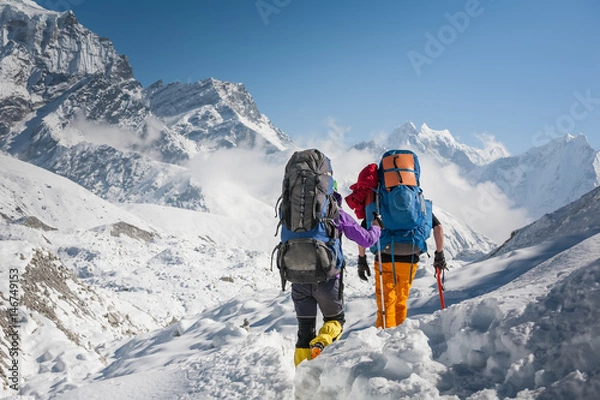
(212, 111)
(567, 224)
(56, 201)
(58, 40)
(565, 167)
(441, 145)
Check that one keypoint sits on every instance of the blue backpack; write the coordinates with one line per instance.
(405, 212)
(310, 249)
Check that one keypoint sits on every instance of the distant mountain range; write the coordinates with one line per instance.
(441, 145)
(70, 104)
(541, 180)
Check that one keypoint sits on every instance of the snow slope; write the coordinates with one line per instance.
(65, 205)
(534, 337)
(120, 275)
(191, 312)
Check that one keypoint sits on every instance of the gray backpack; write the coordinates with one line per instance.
(310, 248)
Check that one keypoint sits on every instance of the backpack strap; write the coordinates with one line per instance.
(278, 247)
(279, 200)
(277, 205)
(412, 264)
(412, 261)
(341, 282)
(283, 281)
(400, 180)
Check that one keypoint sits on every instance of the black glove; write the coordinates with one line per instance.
(378, 219)
(439, 261)
(363, 268)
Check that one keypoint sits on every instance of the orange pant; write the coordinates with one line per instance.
(395, 296)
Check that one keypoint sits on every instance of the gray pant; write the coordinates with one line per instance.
(307, 297)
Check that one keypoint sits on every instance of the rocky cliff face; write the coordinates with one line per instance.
(69, 103)
(216, 114)
(45, 54)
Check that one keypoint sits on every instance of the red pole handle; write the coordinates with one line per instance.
(441, 289)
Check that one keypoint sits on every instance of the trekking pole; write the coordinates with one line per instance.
(380, 266)
(440, 288)
(381, 282)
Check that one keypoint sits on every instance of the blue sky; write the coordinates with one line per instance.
(523, 71)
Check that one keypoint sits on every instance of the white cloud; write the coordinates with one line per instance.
(243, 186)
(252, 185)
(484, 207)
(120, 138)
(491, 146)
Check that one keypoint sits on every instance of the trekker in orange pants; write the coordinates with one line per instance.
(395, 293)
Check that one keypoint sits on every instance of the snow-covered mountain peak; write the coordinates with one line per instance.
(576, 142)
(56, 43)
(401, 135)
(211, 110)
(444, 134)
(441, 145)
(27, 6)
(580, 139)
(568, 150)
(408, 128)
(566, 167)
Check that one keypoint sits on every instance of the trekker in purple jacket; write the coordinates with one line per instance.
(327, 295)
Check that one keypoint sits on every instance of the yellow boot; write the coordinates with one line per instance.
(300, 355)
(329, 333)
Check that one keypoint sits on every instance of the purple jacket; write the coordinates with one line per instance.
(355, 232)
